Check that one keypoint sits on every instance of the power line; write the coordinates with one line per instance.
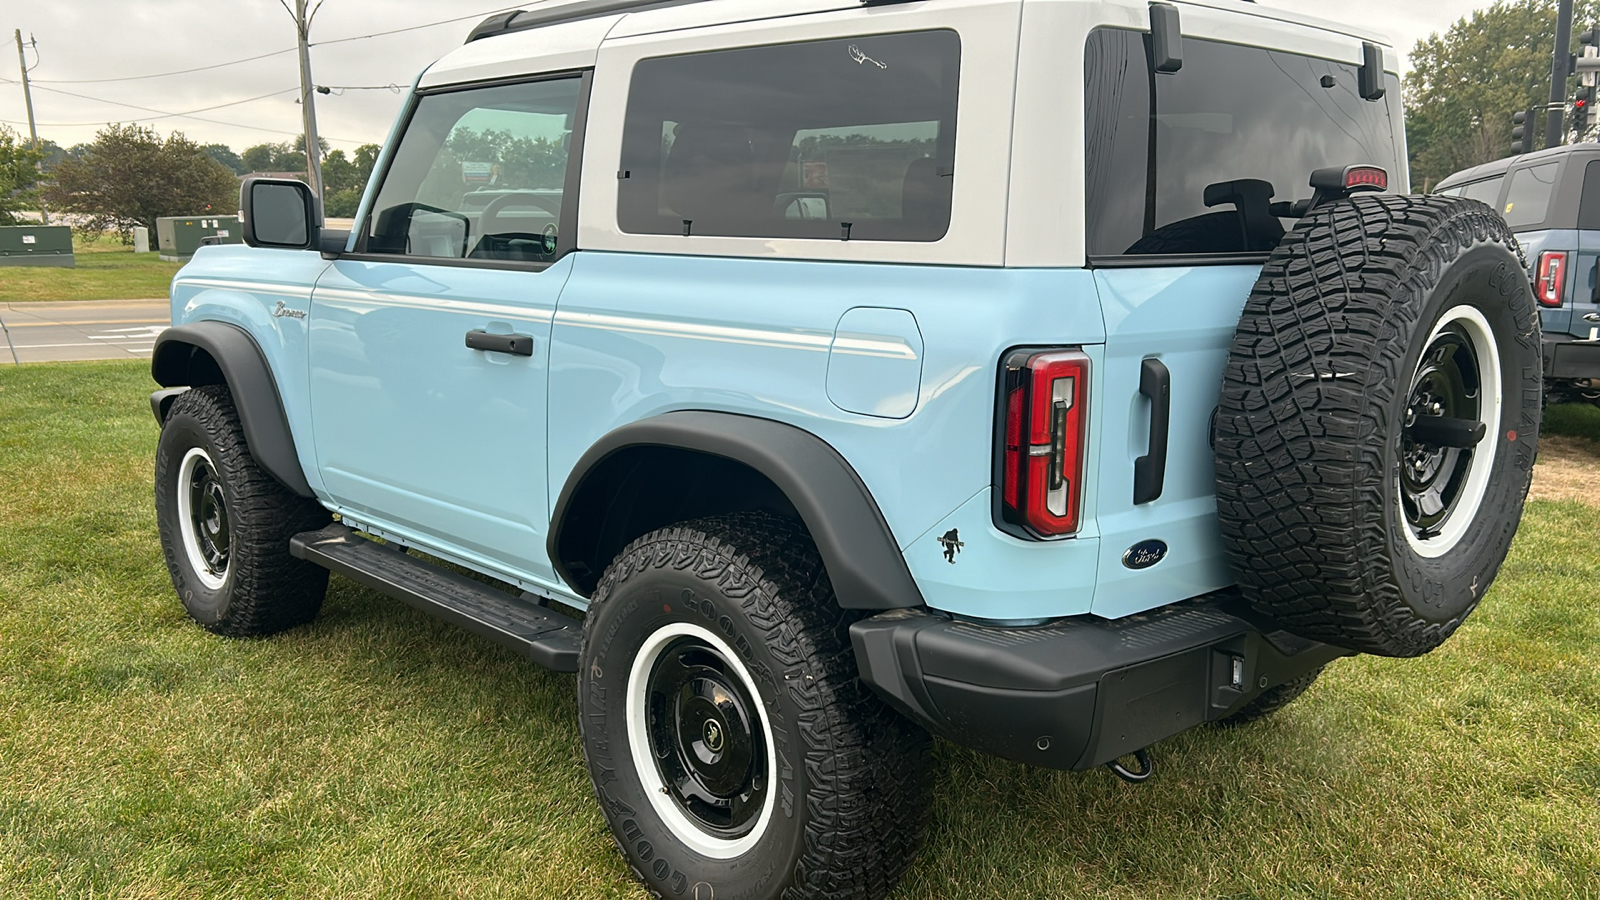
(162, 115)
(362, 37)
(222, 65)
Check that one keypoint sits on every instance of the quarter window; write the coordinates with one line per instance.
(849, 139)
(482, 174)
(1528, 199)
(1589, 210)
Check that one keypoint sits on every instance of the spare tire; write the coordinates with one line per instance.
(1378, 422)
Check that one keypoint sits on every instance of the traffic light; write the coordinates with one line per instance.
(1522, 131)
(1581, 105)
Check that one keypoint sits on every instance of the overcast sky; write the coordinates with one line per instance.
(80, 40)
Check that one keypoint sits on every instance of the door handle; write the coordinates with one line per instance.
(1150, 470)
(514, 344)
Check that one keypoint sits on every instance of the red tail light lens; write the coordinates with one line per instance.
(1369, 177)
(1551, 285)
(1042, 440)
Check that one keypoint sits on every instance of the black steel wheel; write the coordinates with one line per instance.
(225, 524)
(733, 748)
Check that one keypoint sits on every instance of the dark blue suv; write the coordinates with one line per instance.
(1551, 200)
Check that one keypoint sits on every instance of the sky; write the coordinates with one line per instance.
(80, 40)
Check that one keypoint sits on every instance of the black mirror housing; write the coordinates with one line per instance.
(280, 213)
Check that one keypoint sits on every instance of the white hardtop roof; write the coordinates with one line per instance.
(573, 44)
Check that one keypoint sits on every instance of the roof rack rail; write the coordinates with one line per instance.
(546, 14)
(522, 19)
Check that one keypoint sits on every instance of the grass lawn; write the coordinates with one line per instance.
(379, 753)
(106, 271)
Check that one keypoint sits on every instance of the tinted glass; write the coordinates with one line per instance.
(480, 174)
(841, 139)
(1589, 212)
(1235, 128)
(1487, 191)
(1528, 200)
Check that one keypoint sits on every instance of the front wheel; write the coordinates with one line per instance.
(225, 524)
(733, 749)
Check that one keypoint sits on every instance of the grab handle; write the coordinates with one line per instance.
(1150, 470)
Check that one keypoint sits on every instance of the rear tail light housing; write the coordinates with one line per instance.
(1550, 285)
(1042, 429)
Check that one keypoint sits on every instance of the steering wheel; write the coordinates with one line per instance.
(489, 219)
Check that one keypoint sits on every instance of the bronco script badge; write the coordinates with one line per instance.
(1145, 554)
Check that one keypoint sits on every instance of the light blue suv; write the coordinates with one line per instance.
(1551, 200)
(814, 376)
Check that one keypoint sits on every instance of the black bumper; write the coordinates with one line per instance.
(1567, 357)
(1080, 692)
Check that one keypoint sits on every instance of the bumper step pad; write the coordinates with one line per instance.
(548, 638)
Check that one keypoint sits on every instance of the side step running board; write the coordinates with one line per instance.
(548, 638)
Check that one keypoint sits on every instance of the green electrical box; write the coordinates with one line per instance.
(178, 237)
(36, 245)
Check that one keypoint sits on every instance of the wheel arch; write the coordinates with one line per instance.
(204, 353)
(749, 463)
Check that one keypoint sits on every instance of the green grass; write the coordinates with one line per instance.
(1579, 420)
(378, 753)
(106, 270)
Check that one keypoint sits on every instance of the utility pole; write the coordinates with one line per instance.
(1554, 132)
(308, 92)
(27, 97)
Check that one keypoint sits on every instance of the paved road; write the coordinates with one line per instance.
(84, 329)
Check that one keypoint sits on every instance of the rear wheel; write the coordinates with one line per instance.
(733, 749)
(225, 524)
(1378, 421)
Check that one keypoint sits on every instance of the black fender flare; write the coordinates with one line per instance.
(240, 364)
(863, 560)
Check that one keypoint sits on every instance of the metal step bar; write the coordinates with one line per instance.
(546, 637)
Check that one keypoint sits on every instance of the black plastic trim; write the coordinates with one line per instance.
(863, 560)
(243, 368)
(1570, 358)
(512, 344)
(1078, 692)
(1370, 75)
(1166, 39)
(1150, 470)
(1154, 261)
(308, 199)
(161, 402)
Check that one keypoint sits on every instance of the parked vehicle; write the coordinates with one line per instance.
(1051, 376)
(1551, 200)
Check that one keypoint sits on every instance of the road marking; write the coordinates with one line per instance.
(21, 347)
(161, 322)
(149, 332)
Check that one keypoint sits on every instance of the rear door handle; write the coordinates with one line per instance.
(1150, 470)
(514, 344)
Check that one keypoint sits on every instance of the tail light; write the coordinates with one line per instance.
(1042, 448)
(1551, 285)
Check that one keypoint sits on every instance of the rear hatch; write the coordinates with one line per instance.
(1182, 169)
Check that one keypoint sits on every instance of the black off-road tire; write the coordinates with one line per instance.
(1326, 372)
(1271, 700)
(261, 589)
(851, 796)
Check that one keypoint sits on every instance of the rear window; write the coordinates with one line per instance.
(1528, 200)
(1185, 164)
(842, 140)
(1589, 211)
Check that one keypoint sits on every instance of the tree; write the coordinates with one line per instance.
(1465, 84)
(224, 154)
(19, 173)
(366, 159)
(259, 158)
(130, 176)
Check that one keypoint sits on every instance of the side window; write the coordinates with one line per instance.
(848, 139)
(482, 174)
(1528, 199)
(1486, 191)
(1450, 192)
(1589, 210)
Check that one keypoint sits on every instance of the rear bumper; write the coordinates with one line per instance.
(1567, 357)
(1079, 692)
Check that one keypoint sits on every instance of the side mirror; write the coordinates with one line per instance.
(279, 213)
